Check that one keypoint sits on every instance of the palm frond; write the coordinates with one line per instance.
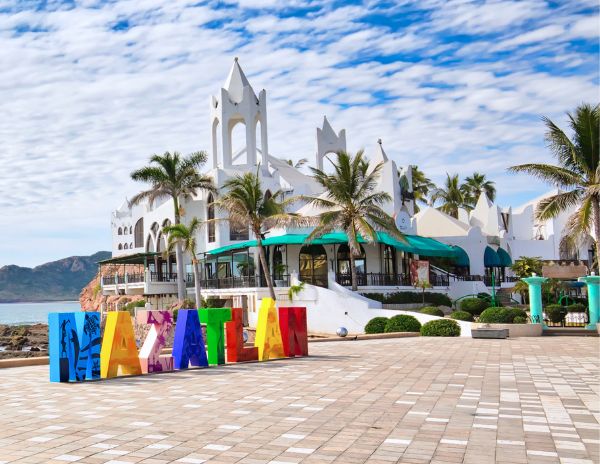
(550, 207)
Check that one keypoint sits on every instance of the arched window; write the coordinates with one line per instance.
(120, 231)
(389, 260)
(138, 237)
(343, 260)
(278, 267)
(120, 246)
(313, 265)
(268, 195)
(126, 247)
(159, 243)
(149, 244)
(131, 246)
(130, 230)
(210, 215)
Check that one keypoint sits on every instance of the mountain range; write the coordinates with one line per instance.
(53, 281)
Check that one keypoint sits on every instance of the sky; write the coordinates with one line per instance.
(89, 90)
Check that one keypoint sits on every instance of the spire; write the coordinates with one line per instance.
(327, 129)
(236, 81)
(380, 156)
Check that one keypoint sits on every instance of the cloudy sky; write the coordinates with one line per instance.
(90, 89)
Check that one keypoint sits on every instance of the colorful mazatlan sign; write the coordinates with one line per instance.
(78, 352)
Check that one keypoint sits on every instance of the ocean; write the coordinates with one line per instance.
(33, 313)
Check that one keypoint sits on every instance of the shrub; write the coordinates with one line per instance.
(432, 311)
(462, 316)
(520, 320)
(555, 313)
(576, 308)
(501, 315)
(437, 299)
(474, 305)
(441, 328)
(376, 325)
(402, 323)
(130, 307)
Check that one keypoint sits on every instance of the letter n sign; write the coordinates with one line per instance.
(292, 321)
(74, 346)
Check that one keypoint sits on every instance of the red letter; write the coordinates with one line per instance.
(235, 340)
(292, 321)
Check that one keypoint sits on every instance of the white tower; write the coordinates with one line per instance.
(238, 104)
(329, 142)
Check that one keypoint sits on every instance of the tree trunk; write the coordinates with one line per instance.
(197, 284)
(596, 208)
(265, 267)
(179, 257)
(353, 272)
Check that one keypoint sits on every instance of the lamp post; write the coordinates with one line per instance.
(593, 289)
(535, 297)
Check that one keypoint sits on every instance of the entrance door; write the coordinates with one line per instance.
(313, 265)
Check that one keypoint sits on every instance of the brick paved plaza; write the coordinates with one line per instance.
(414, 400)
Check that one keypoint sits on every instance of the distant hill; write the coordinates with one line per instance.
(54, 281)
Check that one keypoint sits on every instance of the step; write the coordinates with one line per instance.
(570, 331)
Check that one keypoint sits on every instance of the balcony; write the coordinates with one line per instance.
(147, 283)
(253, 281)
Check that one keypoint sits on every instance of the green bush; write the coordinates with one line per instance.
(432, 311)
(376, 325)
(402, 323)
(437, 299)
(576, 308)
(474, 305)
(555, 313)
(501, 315)
(441, 328)
(130, 307)
(462, 316)
(520, 320)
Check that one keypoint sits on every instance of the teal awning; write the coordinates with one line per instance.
(414, 244)
(462, 258)
(505, 259)
(491, 258)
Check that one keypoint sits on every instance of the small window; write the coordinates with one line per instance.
(120, 246)
(131, 246)
(210, 215)
(120, 231)
(126, 247)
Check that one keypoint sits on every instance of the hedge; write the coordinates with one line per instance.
(555, 313)
(432, 311)
(376, 325)
(441, 328)
(501, 315)
(474, 305)
(402, 323)
(437, 299)
(520, 320)
(576, 308)
(462, 316)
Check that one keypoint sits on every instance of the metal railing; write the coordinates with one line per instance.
(163, 277)
(373, 279)
(252, 281)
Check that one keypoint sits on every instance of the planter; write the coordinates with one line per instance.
(489, 333)
(514, 330)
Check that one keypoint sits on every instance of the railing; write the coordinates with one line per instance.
(135, 278)
(570, 320)
(108, 279)
(163, 277)
(238, 282)
(373, 279)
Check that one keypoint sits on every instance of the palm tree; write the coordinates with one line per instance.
(578, 172)
(247, 205)
(476, 184)
(176, 177)
(298, 164)
(352, 204)
(185, 236)
(421, 187)
(452, 196)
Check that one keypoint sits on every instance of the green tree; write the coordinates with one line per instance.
(476, 184)
(525, 266)
(185, 236)
(577, 172)
(247, 205)
(451, 195)
(422, 186)
(177, 177)
(352, 204)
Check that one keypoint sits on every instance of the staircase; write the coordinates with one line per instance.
(569, 332)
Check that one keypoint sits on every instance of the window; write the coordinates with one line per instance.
(120, 231)
(343, 260)
(278, 267)
(138, 237)
(120, 246)
(389, 260)
(238, 231)
(126, 247)
(210, 215)
(131, 246)
(130, 230)
(313, 265)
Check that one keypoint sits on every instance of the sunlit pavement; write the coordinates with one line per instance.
(414, 400)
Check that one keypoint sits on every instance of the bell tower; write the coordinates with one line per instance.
(237, 103)
(328, 141)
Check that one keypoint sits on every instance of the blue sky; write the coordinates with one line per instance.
(89, 90)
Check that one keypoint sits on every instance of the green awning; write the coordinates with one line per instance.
(462, 258)
(491, 258)
(505, 259)
(414, 244)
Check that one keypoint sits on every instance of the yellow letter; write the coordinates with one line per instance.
(268, 334)
(118, 347)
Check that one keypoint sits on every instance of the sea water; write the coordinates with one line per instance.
(33, 313)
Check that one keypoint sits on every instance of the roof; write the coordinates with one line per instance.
(235, 83)
(137, 258)
(414, 244)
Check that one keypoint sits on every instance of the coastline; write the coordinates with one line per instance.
(62, 300)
